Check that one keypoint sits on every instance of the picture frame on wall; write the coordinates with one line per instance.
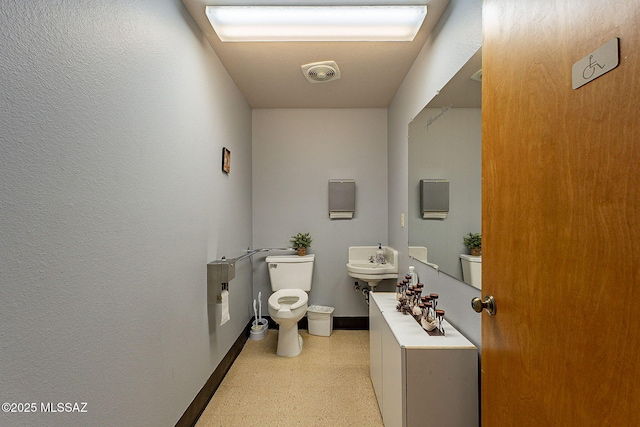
(226, 160)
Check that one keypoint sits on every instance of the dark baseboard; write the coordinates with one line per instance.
(349, 323)
(195, 409)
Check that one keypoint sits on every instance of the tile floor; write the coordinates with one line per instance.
(327, 385)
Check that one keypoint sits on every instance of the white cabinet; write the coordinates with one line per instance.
(376, 323)
(420, 380)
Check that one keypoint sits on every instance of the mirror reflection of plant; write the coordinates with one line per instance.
(473, 241)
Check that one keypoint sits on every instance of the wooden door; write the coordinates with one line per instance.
(561, 216)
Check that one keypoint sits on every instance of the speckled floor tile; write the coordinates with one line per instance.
(328, 384)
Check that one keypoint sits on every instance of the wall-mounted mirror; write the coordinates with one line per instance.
(445, 143)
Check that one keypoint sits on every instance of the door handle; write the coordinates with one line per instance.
(488, 303)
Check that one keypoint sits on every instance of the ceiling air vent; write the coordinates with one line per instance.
(320, 72)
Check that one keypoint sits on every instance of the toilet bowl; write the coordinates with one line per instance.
(286, 308)
(290, 277)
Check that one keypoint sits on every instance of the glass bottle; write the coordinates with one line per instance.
(440, 317)
(412, 275)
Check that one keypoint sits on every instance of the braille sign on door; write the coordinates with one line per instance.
(597, 63)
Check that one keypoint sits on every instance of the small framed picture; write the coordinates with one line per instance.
(226, 160)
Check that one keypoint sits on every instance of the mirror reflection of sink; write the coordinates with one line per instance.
(360, 267)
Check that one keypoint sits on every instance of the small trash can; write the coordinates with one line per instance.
(320, 319)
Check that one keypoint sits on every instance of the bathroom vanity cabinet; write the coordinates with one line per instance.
(420, 380)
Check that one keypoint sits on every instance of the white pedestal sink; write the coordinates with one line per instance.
(361, 267)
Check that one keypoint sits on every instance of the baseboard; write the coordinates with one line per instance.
(346, 323)
(195, 409)
(351, 323)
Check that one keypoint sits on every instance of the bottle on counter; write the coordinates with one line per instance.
(413, 276)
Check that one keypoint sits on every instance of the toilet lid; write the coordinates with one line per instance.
(302, 296)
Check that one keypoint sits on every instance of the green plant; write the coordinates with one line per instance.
(473, 240)
(301, 240)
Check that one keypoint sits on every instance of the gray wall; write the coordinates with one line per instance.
(456, 37)
(113, 117)
(295, 154)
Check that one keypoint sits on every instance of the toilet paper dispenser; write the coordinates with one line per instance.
(219, 274)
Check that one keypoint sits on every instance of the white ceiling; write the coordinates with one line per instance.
(269, 74)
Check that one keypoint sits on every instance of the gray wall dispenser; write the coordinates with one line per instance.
(342, 198)
(434, 198)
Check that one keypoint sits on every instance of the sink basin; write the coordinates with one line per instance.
(360, 267)
(370, 268)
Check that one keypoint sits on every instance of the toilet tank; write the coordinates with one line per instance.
(290, 271)
(472, 270)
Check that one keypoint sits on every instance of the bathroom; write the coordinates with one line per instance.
(113, 201)
(130, 214)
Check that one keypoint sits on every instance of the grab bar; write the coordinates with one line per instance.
(251, 252)
(220, 272)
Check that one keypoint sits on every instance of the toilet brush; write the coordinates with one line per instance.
(256, 324)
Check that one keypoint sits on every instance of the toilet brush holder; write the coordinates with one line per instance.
(259, 329)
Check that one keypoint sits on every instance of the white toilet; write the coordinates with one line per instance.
(472, 270)
(290, 277)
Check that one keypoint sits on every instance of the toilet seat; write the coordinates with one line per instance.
(302, 298)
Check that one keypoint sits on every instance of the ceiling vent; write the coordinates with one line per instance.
(320, 72)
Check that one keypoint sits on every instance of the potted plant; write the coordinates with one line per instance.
(473, 241)
(301, 242)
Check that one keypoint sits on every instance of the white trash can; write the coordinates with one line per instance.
(320, 319)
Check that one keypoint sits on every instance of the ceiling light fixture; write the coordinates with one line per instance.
(316, 23)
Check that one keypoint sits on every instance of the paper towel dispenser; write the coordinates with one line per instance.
(342, 198)
(434, 198)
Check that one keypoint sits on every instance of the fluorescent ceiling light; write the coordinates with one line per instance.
(316, 23)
